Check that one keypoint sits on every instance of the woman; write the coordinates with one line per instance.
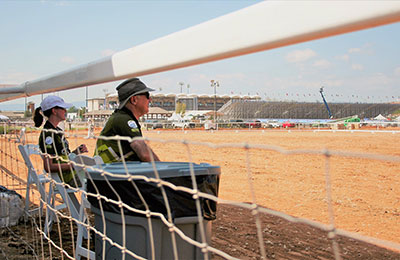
(55, 143)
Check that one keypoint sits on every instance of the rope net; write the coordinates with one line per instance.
(295, 194)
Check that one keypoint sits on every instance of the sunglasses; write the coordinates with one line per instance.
(147, 94)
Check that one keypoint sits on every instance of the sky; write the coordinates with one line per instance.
(40, 38)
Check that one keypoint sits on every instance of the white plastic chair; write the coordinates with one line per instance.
(57, 186)
(39, 180)
(33, 177)
(80, 161)
(70, 201)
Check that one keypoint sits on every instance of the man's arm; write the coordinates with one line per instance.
(143, 151)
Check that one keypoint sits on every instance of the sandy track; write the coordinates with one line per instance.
(365, 192)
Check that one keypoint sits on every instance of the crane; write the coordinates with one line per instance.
(321, 90)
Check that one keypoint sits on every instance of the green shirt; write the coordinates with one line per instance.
(56, 144)
(123, 123)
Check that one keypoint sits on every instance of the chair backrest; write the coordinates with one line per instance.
(26, 151)
(84, 160)
(87, 160)
(33, 176)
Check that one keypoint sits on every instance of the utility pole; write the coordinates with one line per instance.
(25, 107)
(105, 95)
(86, 104)
(215, 84)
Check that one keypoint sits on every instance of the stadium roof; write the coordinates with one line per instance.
(183, 95)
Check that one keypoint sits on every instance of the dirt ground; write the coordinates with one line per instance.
(365, 191)
(233, 232)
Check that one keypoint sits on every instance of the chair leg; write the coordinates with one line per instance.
(83, 233)
(27, 200)
(43, 196)
(50, 215)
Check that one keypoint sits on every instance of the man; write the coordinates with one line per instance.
(134, 99)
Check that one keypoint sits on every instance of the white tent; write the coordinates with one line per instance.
(380, 117)
(3, 118)
(397, 119)
(187, 117)
(175, 117)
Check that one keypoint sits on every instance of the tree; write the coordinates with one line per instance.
(81, 112)
(183, 108)
(178, 107)
(72, 109)
(27, 113)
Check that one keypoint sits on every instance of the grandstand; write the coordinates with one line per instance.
(250, 107)
(192, 101)
(246, 109)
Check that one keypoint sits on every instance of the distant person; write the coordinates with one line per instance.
(134, 99)
(91, 128)
(55, 144)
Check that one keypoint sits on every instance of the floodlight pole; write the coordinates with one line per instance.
(215, 84)
(181, 83)
(105, 96)
(86, 103)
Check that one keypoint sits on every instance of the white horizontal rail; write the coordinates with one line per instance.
(263, 26)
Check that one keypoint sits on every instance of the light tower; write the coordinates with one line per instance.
(181, 83)
(215, 84)
(105, 97)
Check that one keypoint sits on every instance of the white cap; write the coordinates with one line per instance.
(53, 101)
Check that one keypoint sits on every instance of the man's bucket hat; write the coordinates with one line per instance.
(130, 88)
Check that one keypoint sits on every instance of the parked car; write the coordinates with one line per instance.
(236, 123)
(271, 124)
(183, 124)
(288, 124)
(156, 125)
(253, 124)
(153, 124)
(210, 125)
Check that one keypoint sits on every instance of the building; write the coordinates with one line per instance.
(304, 110)
(196, 101)
(163, 105)
(169, 101)
(96, 104)
(13, 115)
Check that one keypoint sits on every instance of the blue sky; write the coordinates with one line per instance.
(39, 38)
